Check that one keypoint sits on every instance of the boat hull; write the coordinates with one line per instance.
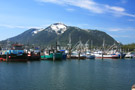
(33, 58)
(52, 56)
(90, 57)
(76, 57)
(14, 58)
(107, 56)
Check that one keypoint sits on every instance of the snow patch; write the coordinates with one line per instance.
(37, 31)
(59, 28)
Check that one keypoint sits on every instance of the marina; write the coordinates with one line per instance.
(76, 68)
(67, 45)
(19, 52)
(71, 68)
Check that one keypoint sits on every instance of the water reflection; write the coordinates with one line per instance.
(107, 74)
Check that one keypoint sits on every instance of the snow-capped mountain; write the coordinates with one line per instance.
(60, 32)
(58, 28)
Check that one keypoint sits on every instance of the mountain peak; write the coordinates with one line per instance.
(59, 23)
(59, 28)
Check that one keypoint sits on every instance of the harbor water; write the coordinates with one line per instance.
(107, 74)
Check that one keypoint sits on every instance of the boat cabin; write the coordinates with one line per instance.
(17, 47)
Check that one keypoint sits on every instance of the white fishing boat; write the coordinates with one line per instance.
(89, 56)
(76, 55)
(100, 54)
(129, 55)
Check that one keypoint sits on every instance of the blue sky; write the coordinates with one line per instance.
(115, 17)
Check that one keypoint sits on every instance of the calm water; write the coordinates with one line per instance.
(68, 75)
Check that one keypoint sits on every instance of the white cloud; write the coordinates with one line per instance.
(121, 29)
(86, 4)
(93, 6)
(114, 8)
(11, 26)
(21, 27)
(127, 14)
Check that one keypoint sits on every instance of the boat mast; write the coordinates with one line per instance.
(69, 46)
(103, 44)
(91, 45)
(87, 46)
(103, 48)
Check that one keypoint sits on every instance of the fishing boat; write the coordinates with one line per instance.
(100, 54)
(77, 55)
(129, 55)
(64, 54)
(16, 53)
(113, 52)
(104, 53)
(121, 55)
(51, 55)
(118, 53)
(77, 52)
(33, 55)
(89, 56)
(1, 59)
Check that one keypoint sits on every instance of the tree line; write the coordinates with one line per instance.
(129, 47)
